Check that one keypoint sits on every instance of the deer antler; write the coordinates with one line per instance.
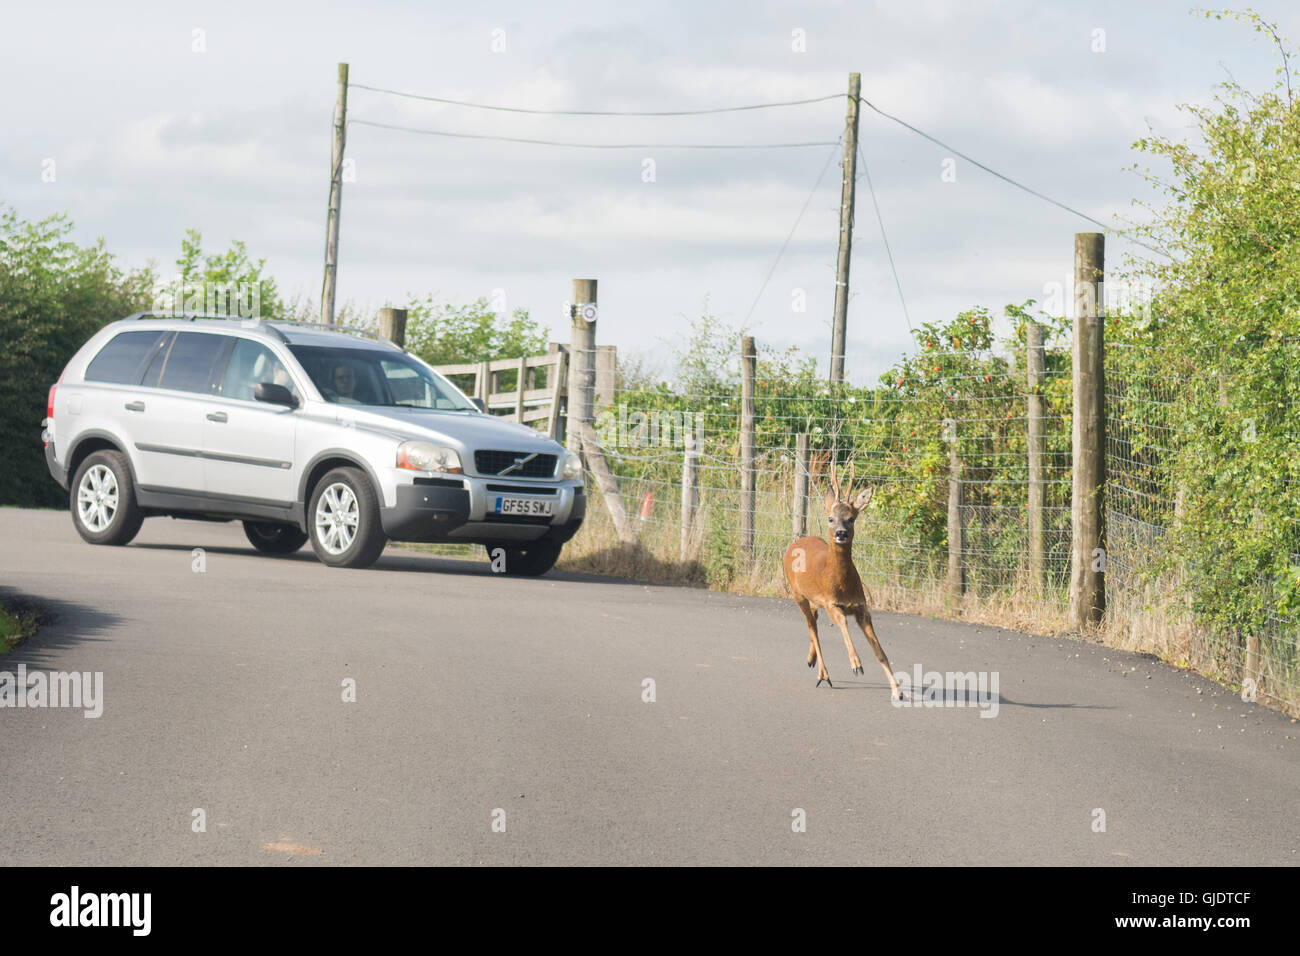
(835, 481)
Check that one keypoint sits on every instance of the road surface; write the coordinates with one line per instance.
(506, 721)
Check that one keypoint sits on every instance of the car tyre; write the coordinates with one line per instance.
(343, 520)
(102, 498)
(528, 560)
(272, 537)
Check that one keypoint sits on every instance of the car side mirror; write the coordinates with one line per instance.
(478, 403)
(274, 394)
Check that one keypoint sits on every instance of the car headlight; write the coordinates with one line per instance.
(572, 466)
(426, 456)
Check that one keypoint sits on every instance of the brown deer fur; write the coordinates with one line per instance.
(822, 577)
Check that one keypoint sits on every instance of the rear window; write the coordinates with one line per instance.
(189, 363)
(119, 361)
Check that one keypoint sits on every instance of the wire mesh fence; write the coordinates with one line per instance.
(955, 427)
(1161, 569)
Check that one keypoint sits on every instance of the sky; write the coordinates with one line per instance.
(156, 118)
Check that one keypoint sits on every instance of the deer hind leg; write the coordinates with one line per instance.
(837, 615)
(864, 622)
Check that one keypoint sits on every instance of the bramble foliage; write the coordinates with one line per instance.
(1226, 329)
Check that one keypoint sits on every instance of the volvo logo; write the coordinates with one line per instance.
(519, 463)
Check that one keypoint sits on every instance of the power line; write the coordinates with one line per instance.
(552, 142)
(883, 235)
(994, 172)
(790, 235)
(517, 109)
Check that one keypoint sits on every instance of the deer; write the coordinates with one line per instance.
(821, 576)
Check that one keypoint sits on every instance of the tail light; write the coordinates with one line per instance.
(49, 412)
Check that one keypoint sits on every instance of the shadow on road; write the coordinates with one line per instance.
(1003, 699)
(63, 624)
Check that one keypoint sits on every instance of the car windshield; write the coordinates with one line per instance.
(372, 377)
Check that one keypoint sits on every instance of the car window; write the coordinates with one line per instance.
(250, 365)
(119, 361)
(353, 376)
(188, 367)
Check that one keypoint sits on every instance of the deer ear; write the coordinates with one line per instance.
(864, 496)
(831, 499)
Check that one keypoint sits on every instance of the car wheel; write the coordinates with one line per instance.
(343, 518)
(528, 560)
(102, 498)
(274, 538)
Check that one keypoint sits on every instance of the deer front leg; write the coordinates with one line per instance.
(864, 622)
(814, 648)
(837, 615)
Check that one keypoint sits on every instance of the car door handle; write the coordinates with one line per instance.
(135, 406)
(217, 417)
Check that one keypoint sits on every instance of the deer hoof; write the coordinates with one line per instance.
(812, 662)
(858, 669)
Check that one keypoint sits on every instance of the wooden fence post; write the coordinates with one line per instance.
(1035, 362)
(801, 464)
(748, 370)
(392, 325)
(956, 534)
(522, 385)
(1088, 435)
(582, 359)
(690, 493)
(557, 380)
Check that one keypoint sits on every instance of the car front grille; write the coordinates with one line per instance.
(495, 462)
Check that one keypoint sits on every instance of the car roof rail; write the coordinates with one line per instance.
(348, 329)
(247, 321)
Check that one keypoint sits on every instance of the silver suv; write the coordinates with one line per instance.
(299, 432)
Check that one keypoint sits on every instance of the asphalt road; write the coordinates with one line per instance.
(483, 700)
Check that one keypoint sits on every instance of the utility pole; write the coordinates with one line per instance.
(849, 169)
(336, 198)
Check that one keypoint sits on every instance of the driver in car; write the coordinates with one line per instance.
(345, 383)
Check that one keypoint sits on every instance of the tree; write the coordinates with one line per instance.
(228, 283)
(445, 334)
(54, 294)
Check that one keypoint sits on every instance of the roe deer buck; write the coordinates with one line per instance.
(822, 576)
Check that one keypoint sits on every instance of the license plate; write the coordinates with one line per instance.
(524, 506)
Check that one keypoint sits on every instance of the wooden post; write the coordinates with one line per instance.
(483, 383)
(1087, 508)
(956, 534)
(605, 358)
(748, 370)
(801, 464)
(690, 493)
(849, 171)
(582, 363)
(336, 198)
(392, 326)
(1251, 667)
(1035, 362)
(522, 384)
(557, 372)
(605, 481)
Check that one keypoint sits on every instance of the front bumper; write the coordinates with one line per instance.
(461, 510)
